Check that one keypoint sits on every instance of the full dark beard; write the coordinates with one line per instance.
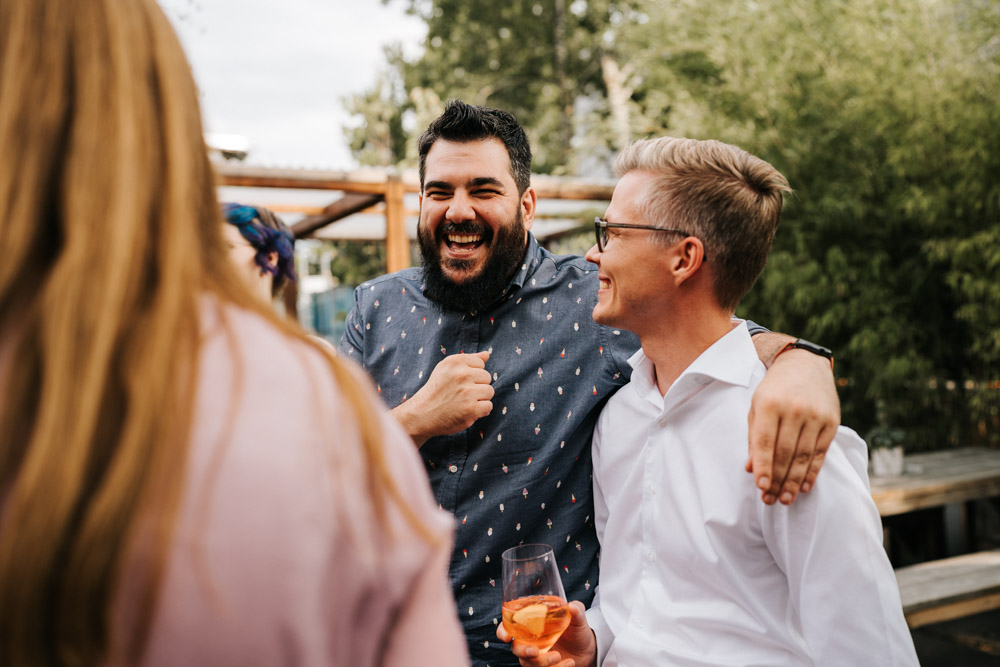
(506, 252)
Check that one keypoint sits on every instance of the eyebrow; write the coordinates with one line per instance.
(485, 180)
(473, 183)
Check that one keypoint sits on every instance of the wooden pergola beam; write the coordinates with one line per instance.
(374, 180)
(302, 179)
(349, 204)
(557, 187)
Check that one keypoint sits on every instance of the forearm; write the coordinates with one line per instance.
(412, 421)
(769, 344)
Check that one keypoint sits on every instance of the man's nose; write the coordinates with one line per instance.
(460, 209)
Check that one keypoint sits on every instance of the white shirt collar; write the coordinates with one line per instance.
(731, 359)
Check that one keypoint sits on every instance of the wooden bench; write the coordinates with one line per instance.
(950, 588)
(933, 479)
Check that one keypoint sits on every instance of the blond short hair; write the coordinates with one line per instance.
(725, 196)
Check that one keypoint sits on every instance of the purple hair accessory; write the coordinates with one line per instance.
(264, 239)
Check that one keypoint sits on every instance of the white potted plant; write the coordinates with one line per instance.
(885, 447)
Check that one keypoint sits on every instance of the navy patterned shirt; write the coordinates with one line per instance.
(523, 473)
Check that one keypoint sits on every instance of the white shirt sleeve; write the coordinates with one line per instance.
(841, 584)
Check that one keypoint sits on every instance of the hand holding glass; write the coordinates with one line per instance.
(534, 604)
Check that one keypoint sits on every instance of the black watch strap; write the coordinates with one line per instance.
(802, 344)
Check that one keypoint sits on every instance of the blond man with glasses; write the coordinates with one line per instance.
(695, 571)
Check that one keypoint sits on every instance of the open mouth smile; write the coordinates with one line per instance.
(463, 241)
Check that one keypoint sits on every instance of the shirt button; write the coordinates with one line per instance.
(652, 489)
(652, 557)
(453, 468)
(638, 622)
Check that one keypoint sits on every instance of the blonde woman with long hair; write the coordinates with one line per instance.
(185, 478)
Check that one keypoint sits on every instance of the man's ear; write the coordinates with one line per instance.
(529, 200)
(686, 259)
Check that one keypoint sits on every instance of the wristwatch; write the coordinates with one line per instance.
(802, 344)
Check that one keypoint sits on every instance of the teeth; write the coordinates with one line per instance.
(605, 284)
(454, 238)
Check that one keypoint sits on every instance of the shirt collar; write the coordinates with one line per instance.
(533, 256)
(732, 359)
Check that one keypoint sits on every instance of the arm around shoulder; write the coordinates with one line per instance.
(793, 417)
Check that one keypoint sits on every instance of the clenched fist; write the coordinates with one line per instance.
(457, 393)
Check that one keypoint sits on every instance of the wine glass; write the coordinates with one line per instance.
(534, 603)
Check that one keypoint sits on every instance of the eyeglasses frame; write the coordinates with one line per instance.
(602, 225)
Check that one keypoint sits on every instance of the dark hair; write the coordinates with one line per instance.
(267, 233)
(463, 122)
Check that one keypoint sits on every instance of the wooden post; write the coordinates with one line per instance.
(290, 297)
(397, 243)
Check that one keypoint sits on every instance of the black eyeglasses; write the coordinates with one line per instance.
(601, 229)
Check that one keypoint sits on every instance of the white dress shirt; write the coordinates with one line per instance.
(696, 570)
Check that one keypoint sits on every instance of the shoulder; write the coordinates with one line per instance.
(625, 412)
(261, 377)
(280, 499)
(849, 448)
(410, 276)
(389, 289)
(567, 266)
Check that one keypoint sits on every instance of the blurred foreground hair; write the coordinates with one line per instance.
(111, 237)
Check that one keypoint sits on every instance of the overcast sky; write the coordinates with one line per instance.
(275, 71)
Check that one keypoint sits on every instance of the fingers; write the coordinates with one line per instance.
(785, 449)
(471, 359)
(458, 392)
(526, 653)
(577, 645)
(502, 634)
(801, 459)
(800, 448)
(763, 435)
(577, 613)
(529, 655)
(823, 442)
(794, 416)
(549, 659)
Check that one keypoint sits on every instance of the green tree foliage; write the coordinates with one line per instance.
(883, 114)
(543, 60)
(379, 139)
